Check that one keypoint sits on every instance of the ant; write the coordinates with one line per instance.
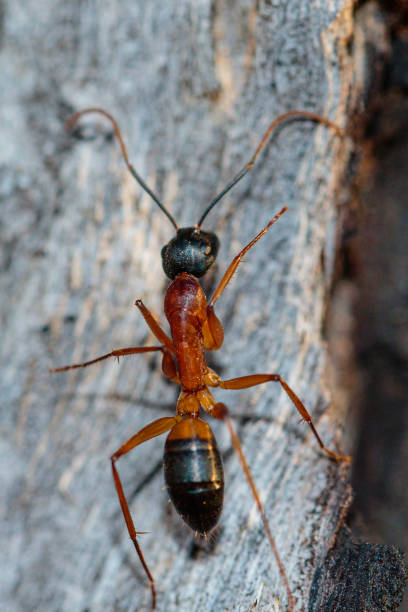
(192, 463)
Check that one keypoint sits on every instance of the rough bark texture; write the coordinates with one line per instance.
(193, 86)
(377, 263)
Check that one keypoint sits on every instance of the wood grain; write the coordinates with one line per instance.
(193, 86)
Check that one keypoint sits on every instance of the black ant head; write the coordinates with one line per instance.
(192, 250)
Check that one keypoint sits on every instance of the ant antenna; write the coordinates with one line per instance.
(291, 114)
(70, 124)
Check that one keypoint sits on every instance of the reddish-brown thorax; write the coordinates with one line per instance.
(185, 306)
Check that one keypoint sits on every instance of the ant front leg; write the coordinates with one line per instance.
(244, 382)
(232, 268)
(167, 342)
(147, 433)
(155, 327)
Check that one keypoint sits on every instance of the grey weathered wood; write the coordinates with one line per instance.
(193, 85)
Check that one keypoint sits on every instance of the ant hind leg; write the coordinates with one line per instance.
(220, 411)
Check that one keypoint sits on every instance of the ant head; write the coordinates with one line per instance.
(192, 250)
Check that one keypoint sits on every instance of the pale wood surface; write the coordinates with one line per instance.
(193, 86)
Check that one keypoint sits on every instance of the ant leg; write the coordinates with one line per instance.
(212, 330)
(169, 366)
(117, 353)
(155, 327)
(220, 411)
(147, 433)
(244, 382)
(237, 259)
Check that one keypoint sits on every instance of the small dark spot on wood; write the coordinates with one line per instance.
(195, 550)
(39, 252)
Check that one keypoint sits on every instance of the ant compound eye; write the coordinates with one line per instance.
(192, 251)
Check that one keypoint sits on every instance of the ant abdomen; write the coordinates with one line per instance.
(193, 473)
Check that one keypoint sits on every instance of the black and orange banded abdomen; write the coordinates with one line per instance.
(194, 475)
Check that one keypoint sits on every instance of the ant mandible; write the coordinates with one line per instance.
(192, 463)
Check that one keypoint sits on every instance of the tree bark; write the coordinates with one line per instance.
(193, 85)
